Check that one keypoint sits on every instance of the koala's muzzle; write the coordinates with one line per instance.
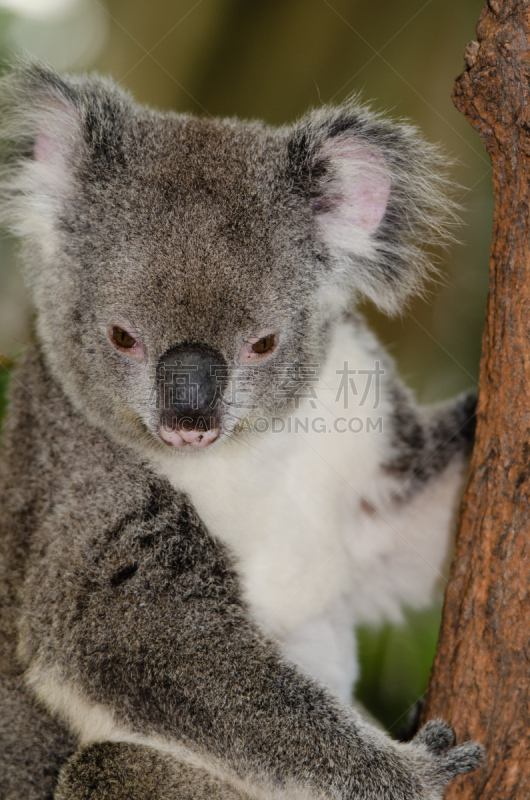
(190, 380)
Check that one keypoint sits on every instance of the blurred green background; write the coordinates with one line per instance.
(273, 60)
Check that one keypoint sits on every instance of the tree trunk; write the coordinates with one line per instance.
(481, 675)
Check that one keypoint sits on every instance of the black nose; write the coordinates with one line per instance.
(190, 382)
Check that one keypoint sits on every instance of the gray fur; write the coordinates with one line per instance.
(424, 444)
(110, 584)
(117, 771)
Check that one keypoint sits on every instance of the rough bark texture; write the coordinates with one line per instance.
(481, 676)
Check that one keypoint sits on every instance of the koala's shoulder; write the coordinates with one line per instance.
(55, 462)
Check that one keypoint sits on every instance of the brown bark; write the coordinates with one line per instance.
(481, 675)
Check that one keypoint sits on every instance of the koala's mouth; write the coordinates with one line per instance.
(188, 438)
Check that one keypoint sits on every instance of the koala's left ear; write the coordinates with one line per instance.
(56, 136)
(378, 198)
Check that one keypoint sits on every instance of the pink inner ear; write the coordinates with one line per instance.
(367, 201)
(361, 185)
(43, 147)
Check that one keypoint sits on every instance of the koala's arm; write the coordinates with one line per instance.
(133, 629)
(425, 441)
(121, 771)
(147, 638)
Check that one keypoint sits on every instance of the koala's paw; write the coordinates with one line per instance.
(440, 759)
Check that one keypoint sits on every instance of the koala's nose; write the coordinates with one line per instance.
(190, 382)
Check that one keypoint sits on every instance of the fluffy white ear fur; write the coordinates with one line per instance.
(37, 183)
(355, 199)
(379, 197)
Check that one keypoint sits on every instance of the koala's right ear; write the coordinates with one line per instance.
(378, 198)
(52, 129)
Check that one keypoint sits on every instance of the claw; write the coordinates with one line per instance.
(463, 758)
(437, 736)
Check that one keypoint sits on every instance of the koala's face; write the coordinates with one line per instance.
(196, 265)
(184, 270)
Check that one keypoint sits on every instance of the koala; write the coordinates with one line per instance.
(210, 471)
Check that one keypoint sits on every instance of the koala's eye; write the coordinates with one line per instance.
(260, 347)
(122, 338)
(129, 345)
(264, 345)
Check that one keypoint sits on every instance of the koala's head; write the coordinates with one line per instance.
(180, 266)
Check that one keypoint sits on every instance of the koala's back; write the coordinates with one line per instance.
(31, 447)
(25, 491)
